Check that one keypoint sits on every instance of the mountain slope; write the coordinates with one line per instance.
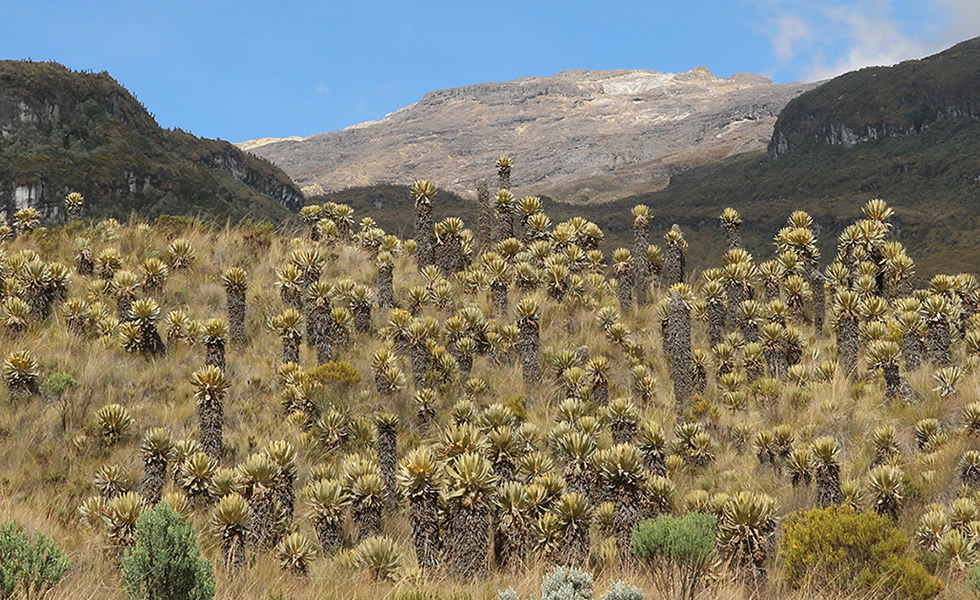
(64, 131)
(879, 102)
(634, 126)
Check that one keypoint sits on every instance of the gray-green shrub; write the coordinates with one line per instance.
(165, 563)
(28, 569)
(677, 551)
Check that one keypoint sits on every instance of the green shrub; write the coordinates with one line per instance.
(165, 563)
(839, 549)
(57, 383)
(28, 569)
(678, 551)
(973, 578)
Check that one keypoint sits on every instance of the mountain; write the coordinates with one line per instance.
(883, 102)
(63, 131)
(620, 128)
(909, 134)
(929, 173)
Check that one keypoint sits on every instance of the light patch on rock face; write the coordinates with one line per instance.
(639, 125)
(636, 82)
(251, 144)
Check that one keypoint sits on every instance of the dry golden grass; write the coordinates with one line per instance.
(50, 453)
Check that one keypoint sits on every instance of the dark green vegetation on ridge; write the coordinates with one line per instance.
(63, 131)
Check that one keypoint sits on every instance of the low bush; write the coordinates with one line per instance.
(677, 551)
(165, 563)
(27, 569)
(842, 550)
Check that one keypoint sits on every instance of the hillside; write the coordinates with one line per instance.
(632, 127)
(387, 433)
(63, 131)
(931, 177)
(879, 102)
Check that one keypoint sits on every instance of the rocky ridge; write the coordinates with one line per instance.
(63, 131)
(632, 126)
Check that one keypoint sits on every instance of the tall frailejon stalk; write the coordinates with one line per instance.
(641, 241)
(534, 223)
(450, 234)
(679, 344)
(210, 389)
(884, 355)
(737, 278)
(284, 455)
(913, 346)
(74, 202)
(486, 214)
(387, 450)
(418, 334)
(826, 455)
(471, 493)
(744, 531)
(714, 297)
(311, 216)
(771, 272)
(623, 269)
(423, 191)
(499, 276)
(366, 491)
(290, 281)
(386, 286)
(504, 209)
(419, 477)
(774, 349)
(288, 325)
(319, 329)
(230, 519)
(528, 315)
(675, 261)
(621, 474)
(235, 281)
(328, 503)
(936, 313)
(361, 299)
(214, 339)
(144, 314)
(257, 477)
(511, 525)
(730, 221)
(504, 167)
(157, 450)
(125, 286)
(597, 369)
(847, 310)
(574, 519)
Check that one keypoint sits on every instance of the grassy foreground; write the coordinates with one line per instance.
(56, 446)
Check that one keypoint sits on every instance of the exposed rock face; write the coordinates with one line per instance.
(881, 102)
(63, 131)
(577, 124)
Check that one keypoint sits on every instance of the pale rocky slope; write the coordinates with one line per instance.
(628, 127)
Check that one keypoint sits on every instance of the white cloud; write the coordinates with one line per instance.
(790, 32)
(321, 88)
(822, 39)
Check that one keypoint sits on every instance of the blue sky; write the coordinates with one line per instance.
(244, 69)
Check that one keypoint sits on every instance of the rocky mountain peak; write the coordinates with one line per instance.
(630, 125)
